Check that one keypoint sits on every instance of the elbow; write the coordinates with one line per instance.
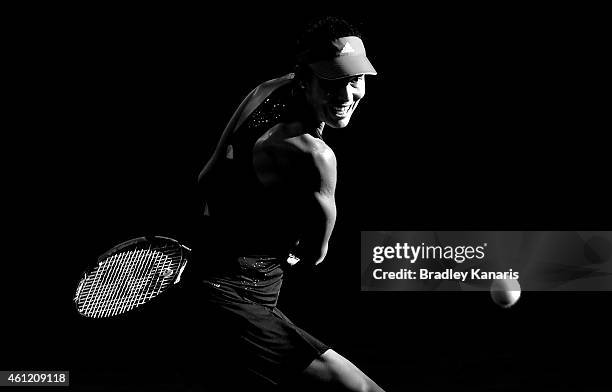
(311, 255)
(320, 256)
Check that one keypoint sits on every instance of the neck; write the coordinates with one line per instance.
(319, 130)
(309, 118)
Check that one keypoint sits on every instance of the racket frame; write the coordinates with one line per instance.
(184, 259)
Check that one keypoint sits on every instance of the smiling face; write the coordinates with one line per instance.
(334, 101)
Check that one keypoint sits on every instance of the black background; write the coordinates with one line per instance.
(486, 120)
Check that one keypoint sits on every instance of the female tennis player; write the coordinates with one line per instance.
(269, 193)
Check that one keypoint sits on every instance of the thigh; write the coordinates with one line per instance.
(336, 373)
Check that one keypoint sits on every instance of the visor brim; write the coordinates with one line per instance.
(343, 67)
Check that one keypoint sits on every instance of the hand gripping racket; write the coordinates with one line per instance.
(129, 275)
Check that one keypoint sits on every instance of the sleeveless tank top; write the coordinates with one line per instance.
(253, 229)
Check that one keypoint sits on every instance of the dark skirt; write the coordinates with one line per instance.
(245, 339)
(265, 343)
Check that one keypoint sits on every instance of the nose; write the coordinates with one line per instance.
(342, 93)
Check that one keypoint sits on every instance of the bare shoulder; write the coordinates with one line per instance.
(286, 151)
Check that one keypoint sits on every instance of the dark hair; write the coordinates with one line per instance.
(316, 31)
(324, 29)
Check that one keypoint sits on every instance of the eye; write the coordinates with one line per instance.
(327, 85)
(356, 79)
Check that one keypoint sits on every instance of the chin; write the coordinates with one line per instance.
(338, 123)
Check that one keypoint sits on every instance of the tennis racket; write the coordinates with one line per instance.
(129, 275)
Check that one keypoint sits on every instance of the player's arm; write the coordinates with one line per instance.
(319, 209)
(305, 168)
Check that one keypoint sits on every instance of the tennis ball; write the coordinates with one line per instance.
(505, 292)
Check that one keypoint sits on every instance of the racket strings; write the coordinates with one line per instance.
(127, 279)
